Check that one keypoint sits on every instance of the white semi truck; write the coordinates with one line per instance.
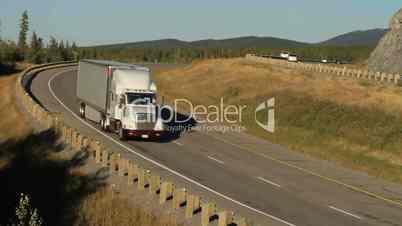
(120, 97)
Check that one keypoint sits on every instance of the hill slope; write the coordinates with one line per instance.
(366, 38)
(160, 44)
(355, 38)
(316, 110)
(248, 42)
(241, 42)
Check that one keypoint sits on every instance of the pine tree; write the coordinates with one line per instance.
(74, 46)
(53, 44)
(36, 55)
(34, 41)
(53, 53)
(94, 53)
(0, 31)
(40, 42)
(69, 51)
(76, 53)
(62, 51)
(24, 27)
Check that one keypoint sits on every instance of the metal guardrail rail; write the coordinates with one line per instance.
(333, 70)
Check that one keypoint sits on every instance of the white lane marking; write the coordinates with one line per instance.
(345, 212)
(178, 143)
(131, 150)
(216, 160)
(310, 172)
(269, 182)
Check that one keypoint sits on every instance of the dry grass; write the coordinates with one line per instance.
(12, 124)
(106, 208)
(355, 123)
(206, 81)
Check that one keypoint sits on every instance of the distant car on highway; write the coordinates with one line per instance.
(284, 55)
(292, 58)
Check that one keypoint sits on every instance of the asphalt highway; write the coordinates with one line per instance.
(260, 180)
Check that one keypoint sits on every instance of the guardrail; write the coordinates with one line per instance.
(136, 175)
(334, 70)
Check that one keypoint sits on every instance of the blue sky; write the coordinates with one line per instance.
(109, 21)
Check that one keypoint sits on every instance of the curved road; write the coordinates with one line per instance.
(259, 180)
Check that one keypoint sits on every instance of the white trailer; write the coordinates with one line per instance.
(120, 97)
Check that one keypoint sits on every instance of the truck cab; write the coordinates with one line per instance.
(134, 111)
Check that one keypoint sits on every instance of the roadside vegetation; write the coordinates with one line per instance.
(354, 123)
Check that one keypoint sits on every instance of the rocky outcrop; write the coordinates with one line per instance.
(387, 57)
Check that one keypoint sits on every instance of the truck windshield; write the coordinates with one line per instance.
(140, 98)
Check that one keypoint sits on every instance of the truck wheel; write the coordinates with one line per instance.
(82, 111)
(103, 125)
(122, 134)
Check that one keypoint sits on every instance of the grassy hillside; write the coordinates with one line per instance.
(356, 124)
(357, 38)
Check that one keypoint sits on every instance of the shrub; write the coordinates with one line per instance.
(25, 214)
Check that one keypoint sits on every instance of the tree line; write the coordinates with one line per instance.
(159, 55)
(186, 55)
(34, 50)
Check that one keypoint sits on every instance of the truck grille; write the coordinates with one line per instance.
(145, 121)
(143, 117)
(145, 125)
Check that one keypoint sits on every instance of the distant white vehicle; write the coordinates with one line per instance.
(324, 61)
(292, 58)
(284, 55)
